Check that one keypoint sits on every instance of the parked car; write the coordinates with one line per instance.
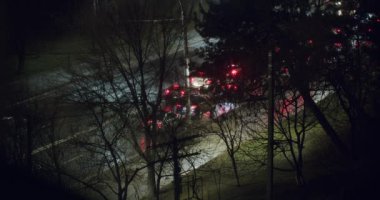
(223, 108)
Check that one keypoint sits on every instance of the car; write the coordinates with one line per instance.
(179, 106)
(159, 120)
(179, 109)
(222, 108)
(233, 71)
(175, 91)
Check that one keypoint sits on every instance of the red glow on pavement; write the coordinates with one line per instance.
(142, 144)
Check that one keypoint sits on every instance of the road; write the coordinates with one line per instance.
(49, 85)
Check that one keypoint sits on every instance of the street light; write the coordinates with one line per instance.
(187, 61)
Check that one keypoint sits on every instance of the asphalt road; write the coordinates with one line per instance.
(46, 86)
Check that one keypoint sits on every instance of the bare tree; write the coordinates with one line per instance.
(293, 123)
(135, 49)
(108, 150)
(231, 128)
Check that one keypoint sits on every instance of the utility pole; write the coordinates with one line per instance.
(187, 62)
(29, 144)
(95, 4)
(270, 128)
(177, 168)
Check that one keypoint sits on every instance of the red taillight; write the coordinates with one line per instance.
(310, 42)
(167, 109)
(193, 107)
(167, 92)
(208, 82)
(337, 30)
(368, 43)
(234, 72)
(338, 45)
(175, 86)
(285, 70)
(207, 114)
(182, 93)
(159, 124)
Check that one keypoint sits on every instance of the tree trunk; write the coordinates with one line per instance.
(151, 183)
(29, 130)
(235, 168)
(299, 176)
(176, 171)
(151, 179)
(329, 130)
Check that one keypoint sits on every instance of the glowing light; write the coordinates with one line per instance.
(338, 45)
(201, 73)
(337, 30)
(159, 124)
(167, 109)
(167, 92)
(175, 86)
(234, 72)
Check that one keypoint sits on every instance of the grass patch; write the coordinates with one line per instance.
(51, 54)
(328, 174)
